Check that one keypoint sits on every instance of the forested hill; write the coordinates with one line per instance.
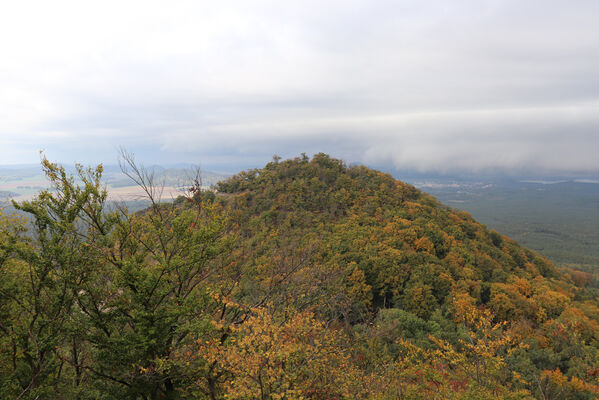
(397, 265)
(306, 279)
(400, 246)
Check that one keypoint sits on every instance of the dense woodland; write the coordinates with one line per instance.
(306, 279)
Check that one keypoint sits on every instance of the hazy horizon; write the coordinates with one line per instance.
(407, 174)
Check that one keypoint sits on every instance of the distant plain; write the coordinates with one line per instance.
(559, 218)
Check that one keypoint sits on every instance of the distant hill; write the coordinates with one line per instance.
(169, 176)
(7, 195)
(24, 182)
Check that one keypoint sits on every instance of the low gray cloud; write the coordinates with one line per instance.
(417, 85)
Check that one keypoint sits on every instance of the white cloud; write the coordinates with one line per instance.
(430, 85)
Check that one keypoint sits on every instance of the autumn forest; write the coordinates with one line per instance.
(306, 279)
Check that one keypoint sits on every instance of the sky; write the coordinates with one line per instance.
(423, 85)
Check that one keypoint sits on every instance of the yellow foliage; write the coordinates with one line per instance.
(424, 244)
(296, 358)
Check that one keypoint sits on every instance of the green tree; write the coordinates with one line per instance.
(40, 273)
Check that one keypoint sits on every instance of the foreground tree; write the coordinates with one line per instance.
(273, 357)
(41, 273)
(98, 297)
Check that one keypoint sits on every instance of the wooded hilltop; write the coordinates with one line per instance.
(306, 279)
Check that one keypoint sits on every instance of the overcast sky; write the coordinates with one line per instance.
(429, 85)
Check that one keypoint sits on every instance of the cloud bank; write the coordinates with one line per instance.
(419, 85)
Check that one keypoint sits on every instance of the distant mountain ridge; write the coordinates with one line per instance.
(23, 182)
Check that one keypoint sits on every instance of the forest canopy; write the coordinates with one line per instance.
(305, 279)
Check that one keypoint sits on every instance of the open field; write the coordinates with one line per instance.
(22, 183)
